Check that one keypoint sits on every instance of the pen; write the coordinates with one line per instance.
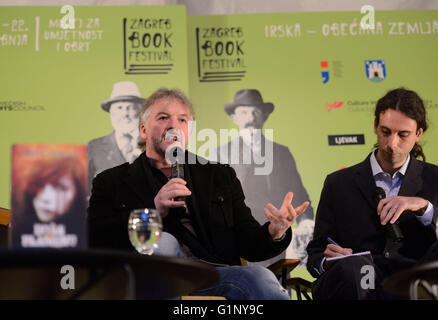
(332, 241)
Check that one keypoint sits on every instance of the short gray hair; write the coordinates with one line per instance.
(163, 94)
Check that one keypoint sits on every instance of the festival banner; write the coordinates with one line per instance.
(316, 77)
(78, 75)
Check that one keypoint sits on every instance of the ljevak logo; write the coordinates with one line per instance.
(375, 70)
(346, 139)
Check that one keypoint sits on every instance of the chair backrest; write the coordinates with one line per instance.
(5, 216)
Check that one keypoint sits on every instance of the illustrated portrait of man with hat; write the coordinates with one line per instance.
(121, 145)
(249, 112)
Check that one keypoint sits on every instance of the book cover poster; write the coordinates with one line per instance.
(49, 196)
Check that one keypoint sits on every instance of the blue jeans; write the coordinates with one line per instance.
(235, 282)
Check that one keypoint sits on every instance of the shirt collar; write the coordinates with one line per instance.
(376, 169)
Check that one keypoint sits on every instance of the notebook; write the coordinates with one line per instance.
(366, 254)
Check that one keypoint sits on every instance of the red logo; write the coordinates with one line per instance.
(334, 105)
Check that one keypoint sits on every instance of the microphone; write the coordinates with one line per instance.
(393, 229)
(178, 166)
(394, 236)
(175, 155)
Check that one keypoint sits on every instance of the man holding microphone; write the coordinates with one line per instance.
(212, 224)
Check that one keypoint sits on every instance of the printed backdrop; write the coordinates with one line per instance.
(322, 73)
(53, 80)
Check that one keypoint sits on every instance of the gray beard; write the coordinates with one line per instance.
(157, 148)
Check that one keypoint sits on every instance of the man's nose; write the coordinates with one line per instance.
(392, 141)
(127, 111)
(174, 123)
(251, 116)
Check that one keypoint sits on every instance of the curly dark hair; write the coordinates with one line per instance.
(408, 102)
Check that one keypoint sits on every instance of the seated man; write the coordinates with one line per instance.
(387, 204)
(213, 224)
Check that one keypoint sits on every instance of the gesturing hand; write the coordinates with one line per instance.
(281, 219)
(174, 188)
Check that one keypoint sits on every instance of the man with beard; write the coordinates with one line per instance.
(212, 225)
(121, 145)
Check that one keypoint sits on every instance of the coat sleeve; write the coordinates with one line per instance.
(106, 225)
(91, 166)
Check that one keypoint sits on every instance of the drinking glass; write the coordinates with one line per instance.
(144, 229)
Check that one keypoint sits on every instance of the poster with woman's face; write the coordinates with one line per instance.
(49, 195)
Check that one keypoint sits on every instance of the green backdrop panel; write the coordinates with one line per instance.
(54, 79)
(284, 56)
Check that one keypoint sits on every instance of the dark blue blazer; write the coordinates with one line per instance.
(347, 212)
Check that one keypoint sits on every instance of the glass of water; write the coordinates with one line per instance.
(144, 229)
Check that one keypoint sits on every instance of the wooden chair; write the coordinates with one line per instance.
(282, 269)
(301, 287)
(5, 217)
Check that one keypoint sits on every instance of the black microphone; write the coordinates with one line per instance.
(393, 229)
(175, 155)
(394, 236)
(177, 166)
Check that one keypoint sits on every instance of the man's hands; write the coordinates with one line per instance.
(281, 220)
(333, 250)
(390, 209)
(174, 188)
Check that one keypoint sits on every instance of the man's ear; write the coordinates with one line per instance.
(375, 125)
(419, 134)
(143, 132)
